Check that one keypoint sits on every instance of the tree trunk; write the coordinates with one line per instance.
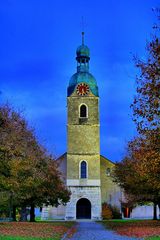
(32, 214)
(154, 211)
(10, 205)
(14, 213)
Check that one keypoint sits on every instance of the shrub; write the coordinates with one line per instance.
(106, 211)
(115, 212)
(110, 212)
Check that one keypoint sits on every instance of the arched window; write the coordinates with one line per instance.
(108, 171)
(83, 111)
(83, 169)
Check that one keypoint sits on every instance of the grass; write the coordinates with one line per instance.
(153, 238)
(34, 231)
(25, 238)
(124, 220)
(147, 229)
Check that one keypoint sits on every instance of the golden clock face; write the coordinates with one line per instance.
(82, 89)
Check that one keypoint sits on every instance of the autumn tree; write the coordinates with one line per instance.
(28, 173)
(43, 185)
(146, 115)
(139, 173)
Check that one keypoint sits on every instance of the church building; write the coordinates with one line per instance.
(85, 171)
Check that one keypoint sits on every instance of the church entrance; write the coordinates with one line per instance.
(83, 209)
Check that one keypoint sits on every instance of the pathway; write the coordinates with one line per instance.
(96, 231)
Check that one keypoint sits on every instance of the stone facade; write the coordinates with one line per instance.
(96, 190)
(83, 145)
(83, 133)
(92, 193)
(73, 166)
(110, 191)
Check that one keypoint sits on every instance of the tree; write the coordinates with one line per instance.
(44, 186)
(139, 172)
(28, 173)
(146, 114)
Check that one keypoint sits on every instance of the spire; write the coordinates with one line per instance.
(83, 30)
(82, 75)
(82, 38)
(83, 57)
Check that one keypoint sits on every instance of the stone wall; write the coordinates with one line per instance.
(73, 166)
(111, 193)
(83, 139)
(73, 104)
(93, 194)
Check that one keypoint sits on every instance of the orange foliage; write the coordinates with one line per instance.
(106, 211)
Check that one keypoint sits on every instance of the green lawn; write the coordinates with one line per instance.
(153, 238)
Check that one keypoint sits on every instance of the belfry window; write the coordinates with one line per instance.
(83, 111)
(83, 169)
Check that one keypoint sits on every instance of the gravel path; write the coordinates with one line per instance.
(96, 231)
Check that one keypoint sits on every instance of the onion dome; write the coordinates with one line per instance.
(82, 75)
(82, 51)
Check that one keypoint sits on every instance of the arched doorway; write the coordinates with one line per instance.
(83, 209)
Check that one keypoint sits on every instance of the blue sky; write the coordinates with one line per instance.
(37, 58)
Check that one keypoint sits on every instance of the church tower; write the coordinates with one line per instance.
(83, 150)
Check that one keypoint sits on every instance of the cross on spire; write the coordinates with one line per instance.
(82, 38)
(83, 25)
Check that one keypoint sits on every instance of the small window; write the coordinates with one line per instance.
(108, 171)
(83, 169)
(83, 111)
